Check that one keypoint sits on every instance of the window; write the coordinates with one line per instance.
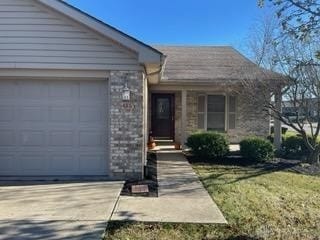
(216, 107)
(216, 112)
(163, 108)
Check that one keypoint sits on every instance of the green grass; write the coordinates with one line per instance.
(289, 134)
(293, 133)
(258, 204)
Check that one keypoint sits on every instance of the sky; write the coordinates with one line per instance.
(178, 22)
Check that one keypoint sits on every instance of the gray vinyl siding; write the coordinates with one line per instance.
(33, 36)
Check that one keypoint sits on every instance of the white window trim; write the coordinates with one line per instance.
(226, 113)
(227, 96)
(234, 113)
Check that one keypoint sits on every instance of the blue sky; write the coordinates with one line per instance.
(178, 22)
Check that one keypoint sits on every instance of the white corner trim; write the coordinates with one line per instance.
(183, 117)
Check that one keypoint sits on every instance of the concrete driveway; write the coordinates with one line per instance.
(57, 210)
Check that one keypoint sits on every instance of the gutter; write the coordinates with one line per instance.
(163, 61)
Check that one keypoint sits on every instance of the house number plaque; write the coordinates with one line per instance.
(128, 106)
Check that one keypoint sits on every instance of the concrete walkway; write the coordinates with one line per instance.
(182, 198)
(56, 210)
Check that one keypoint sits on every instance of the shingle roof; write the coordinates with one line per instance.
(210, 63)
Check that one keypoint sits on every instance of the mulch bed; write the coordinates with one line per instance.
(305, 168)
(153, 188)
(289, 165)
(278, 164)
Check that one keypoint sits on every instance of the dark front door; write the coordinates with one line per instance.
(162, 119)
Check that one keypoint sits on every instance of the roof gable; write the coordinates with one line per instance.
(33, 36)
(146, 54)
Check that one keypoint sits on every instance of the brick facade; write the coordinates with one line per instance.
(127, 129)
(126, 125)
(251, 120)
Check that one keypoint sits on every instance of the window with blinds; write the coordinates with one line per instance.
(216, 112)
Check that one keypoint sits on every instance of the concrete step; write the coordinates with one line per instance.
(164, 142)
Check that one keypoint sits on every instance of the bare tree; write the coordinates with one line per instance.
(303, 92)
(298, 18)
(260, 41)
(294, 59)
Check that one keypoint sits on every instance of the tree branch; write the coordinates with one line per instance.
(304, 8)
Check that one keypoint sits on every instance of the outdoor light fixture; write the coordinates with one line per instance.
(126, 93)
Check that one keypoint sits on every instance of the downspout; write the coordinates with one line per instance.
(163, 60)
(159, 73)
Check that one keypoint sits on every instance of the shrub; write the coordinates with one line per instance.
(208, 145)
(256, 149)
(294, 147)
(271, 138)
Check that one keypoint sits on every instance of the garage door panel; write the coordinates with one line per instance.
(61, 138)
(53, 128)
(89, 90)
(7, 164)
(34, 163)
(7, 138)
(28, 113)
(7, 89)
(89, 114)
(33, 138)
(6, 113)
(33, 89)
(63, 90)
(61, 114)
(91, 139)
(63, 164)
(94, 162)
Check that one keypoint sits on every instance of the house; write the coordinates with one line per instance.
(79, 97)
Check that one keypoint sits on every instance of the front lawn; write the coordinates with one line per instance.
(258, 202)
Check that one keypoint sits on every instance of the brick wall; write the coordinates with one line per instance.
(251, 120)
(126, 123)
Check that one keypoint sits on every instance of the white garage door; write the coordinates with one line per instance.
(52, 128)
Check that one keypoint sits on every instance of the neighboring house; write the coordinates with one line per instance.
(301, 109)
(79, 98)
